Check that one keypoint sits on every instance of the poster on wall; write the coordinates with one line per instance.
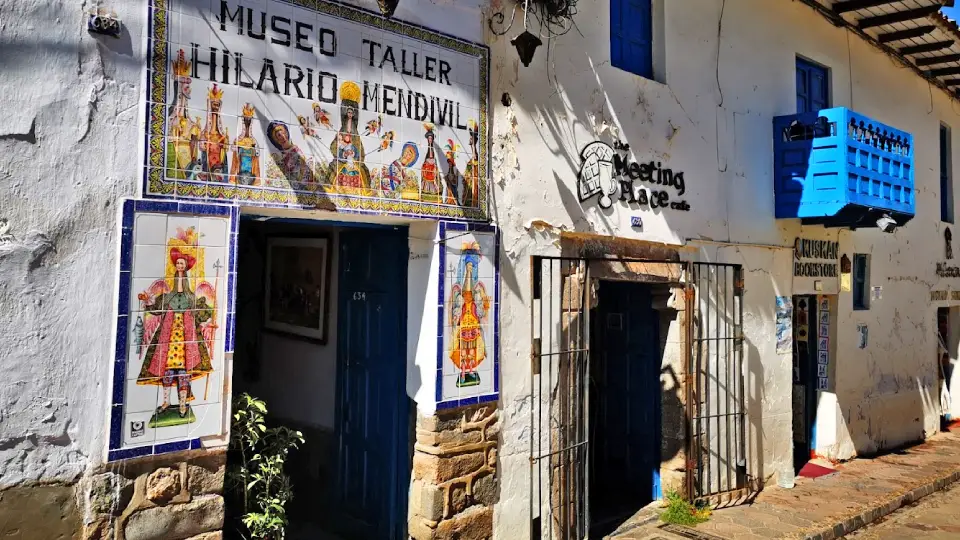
(468, 363)
(176, 270)
(313, 104)
(298, 275)
(784, 322)
(823, 342)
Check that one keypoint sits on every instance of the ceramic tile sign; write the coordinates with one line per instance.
(823, 342)
(176, 271)
(305, 103)
(468, 363)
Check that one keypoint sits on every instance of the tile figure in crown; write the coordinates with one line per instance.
(471, 174)
(215, 138)
(469, 309)
(246, 153)
(179, 328)
(182, 132)
(350, 173)
(452, 177)
(429, 172)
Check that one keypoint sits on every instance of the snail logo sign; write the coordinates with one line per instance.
(605, 171)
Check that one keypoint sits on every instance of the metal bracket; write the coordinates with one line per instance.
(535, 356)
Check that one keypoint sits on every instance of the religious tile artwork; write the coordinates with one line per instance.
(468, 363)
(309, 104)
(172, 326)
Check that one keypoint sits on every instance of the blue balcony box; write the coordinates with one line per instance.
(839, 168)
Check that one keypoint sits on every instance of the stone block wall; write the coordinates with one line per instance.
(174, 496)
(455, 484)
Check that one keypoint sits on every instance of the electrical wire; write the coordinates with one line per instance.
(719, 30)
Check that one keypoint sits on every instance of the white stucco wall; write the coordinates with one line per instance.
(68, 142)
(711, 117)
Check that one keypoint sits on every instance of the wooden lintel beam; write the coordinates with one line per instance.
(919, 31)
(898, 16)
(925, 47)
(933, 60)
(853, 5)
(955, 70)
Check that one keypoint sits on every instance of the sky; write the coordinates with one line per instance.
(952, 12)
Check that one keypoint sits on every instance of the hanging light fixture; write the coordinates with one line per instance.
(526, 43)
(387, 7)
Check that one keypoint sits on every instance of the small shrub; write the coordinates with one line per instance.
(258, 477)
(680, 512)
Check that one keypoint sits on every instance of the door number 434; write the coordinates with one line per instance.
(359, 295)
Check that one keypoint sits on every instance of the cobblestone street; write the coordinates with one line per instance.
(933, 517)
(837, 504)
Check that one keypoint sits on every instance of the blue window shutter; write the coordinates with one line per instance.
(813, 87)
(631, 36)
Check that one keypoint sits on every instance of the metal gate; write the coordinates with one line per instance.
(563, 294)
(715, 397)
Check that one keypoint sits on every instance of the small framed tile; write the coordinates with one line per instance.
(140, 398)
(209, 421)
(214, 231)
(137, 429)
(149, 261)
(150, 229)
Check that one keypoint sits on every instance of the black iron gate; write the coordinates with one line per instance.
(563, 293)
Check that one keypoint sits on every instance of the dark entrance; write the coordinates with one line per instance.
(625, 409)
(804, 378)
(345, 392)
(373, 408)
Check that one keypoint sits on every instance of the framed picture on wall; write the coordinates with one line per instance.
(297, 286)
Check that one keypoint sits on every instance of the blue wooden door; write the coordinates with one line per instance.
(373, 419)
(625, 396)
(813, 87)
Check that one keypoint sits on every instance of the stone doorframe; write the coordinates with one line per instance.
(671, 304)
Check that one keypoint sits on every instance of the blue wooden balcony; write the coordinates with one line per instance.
(839, 168)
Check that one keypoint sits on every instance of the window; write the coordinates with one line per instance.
(631, 36)
(813, 87)
(861, 281)
(946, 176)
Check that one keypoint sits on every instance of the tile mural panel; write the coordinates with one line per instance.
(306, 103)
(468, 363)
(172, 328)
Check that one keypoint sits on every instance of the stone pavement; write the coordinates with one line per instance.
(933, 518)
(829, 507)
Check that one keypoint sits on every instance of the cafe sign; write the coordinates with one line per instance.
(608, 173)
(312, 104)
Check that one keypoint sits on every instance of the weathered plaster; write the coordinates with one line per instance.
(710, 116)
(66, 142)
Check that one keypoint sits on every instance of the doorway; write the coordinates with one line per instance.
(804, 379)
(624, 412)
(344, 389)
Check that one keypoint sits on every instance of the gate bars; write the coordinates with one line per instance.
(716, 413)
(560, 362)
(563, 293)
